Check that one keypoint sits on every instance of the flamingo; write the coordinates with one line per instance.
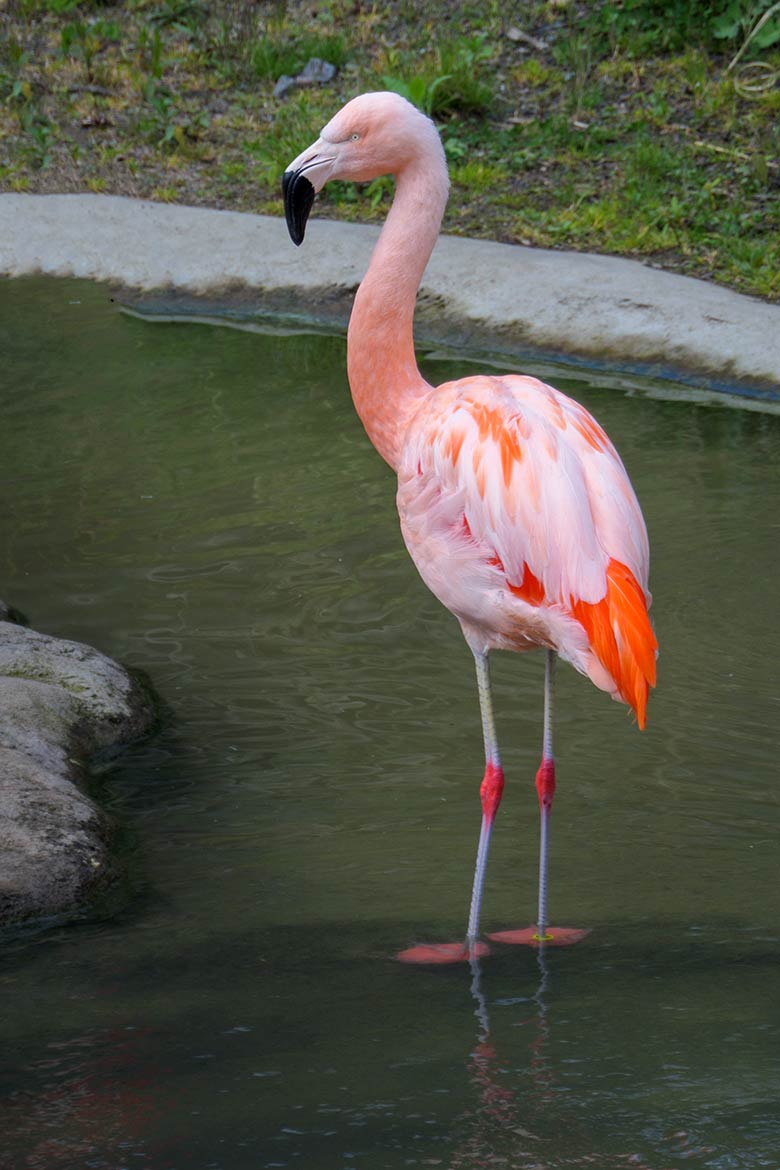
(514, 505)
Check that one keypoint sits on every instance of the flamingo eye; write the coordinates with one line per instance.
(354, 137)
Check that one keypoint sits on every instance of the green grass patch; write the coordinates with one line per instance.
(646, 129)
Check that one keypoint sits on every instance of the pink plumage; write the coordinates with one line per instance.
(514, 504)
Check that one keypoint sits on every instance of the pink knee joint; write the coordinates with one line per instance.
(545, 784)
(491, 789)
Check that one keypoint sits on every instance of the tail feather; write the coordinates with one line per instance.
(621, 637)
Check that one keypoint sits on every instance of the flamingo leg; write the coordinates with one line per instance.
(545, 789)
(543, 935)
(490, 792)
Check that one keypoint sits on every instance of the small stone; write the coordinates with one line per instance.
(517, 35)
(314, 72)
(283, 85)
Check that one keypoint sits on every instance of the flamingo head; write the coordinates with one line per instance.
(374, 134)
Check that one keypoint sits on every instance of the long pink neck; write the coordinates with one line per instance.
(383, 375)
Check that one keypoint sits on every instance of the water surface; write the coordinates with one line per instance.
(203, 505)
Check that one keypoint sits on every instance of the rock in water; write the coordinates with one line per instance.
(59, 703)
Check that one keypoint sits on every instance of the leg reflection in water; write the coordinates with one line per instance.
(519, 1119)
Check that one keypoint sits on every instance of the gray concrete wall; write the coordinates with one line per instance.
(598, 309)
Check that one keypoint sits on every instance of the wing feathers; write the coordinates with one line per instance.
(530, 478)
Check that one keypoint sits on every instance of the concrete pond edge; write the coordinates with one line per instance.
(598, 311)
(61, 702)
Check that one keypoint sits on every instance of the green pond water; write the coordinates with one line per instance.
(202, 504)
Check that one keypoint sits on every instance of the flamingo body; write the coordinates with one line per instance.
(514, 504)
(518, 513)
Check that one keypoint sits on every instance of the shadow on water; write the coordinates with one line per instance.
(203, 506)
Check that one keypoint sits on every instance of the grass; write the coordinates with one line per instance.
(620, 128)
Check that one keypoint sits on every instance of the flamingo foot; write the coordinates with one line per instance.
(439, 953)
(555, 936)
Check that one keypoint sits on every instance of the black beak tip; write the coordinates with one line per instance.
(298, 195)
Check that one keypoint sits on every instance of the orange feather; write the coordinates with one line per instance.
(621, 637)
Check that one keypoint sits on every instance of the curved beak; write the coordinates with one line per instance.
(304, 177)
(298, 199)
